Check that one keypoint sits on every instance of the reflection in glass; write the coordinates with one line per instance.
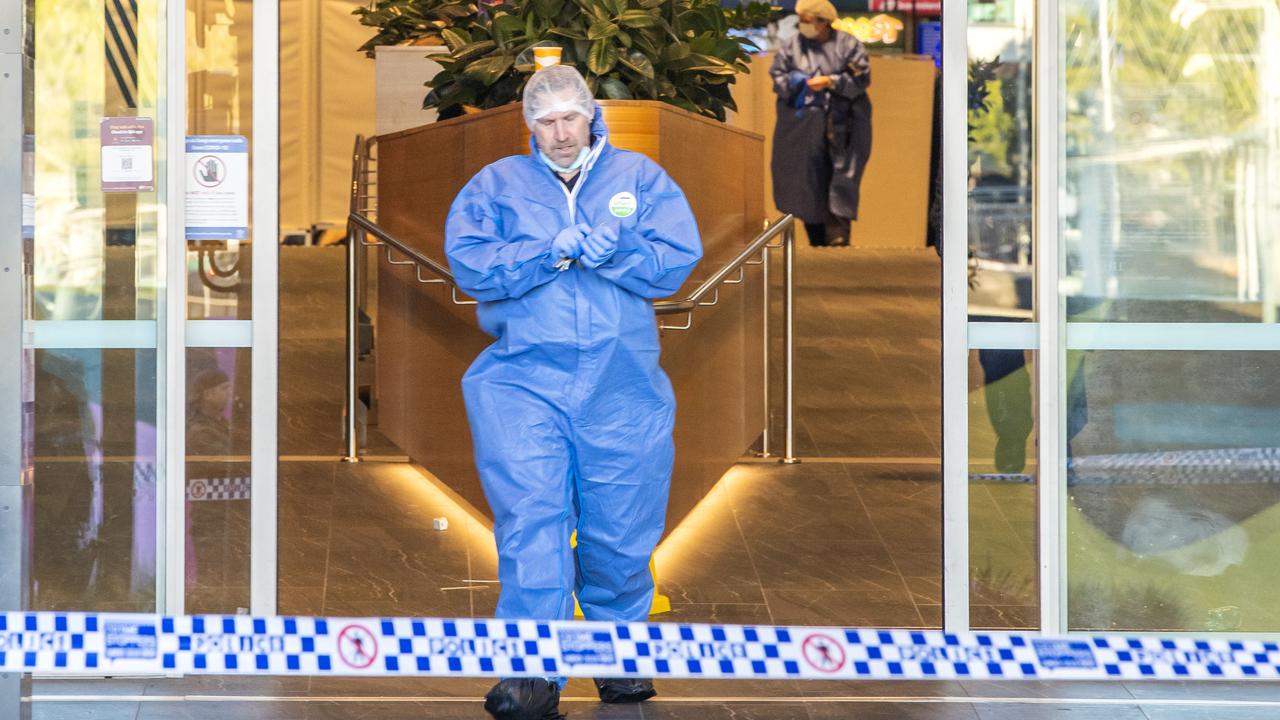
(1002, 442)
(217, 483)
(1002, 490)
(1173, 510)
(220, 91)
(218, 273)
(1171, 159)
(1000, 160)
(94, 434)
(93, 252)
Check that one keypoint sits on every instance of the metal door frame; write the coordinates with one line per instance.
(15, 488)
(955, 301)
(170, 334)
(266, 306)
(261, 333)
(1044, 335)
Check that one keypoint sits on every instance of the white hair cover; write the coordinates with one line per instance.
(558, 88)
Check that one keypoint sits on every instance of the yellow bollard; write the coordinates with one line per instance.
(661, 603)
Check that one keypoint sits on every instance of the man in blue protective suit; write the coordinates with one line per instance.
(571, 415)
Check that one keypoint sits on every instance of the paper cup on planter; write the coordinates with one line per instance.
(546, 56)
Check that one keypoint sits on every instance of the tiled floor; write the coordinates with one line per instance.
(758, 550)
(850, 537)
(358, 540)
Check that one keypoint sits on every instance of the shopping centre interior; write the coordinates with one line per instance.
(809, 483)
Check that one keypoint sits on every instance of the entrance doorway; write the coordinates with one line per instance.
(149, 316)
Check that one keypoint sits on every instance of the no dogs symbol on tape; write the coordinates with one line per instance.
(357, 647)
(823, 653)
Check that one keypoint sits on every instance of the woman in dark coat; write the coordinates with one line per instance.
(823, 136)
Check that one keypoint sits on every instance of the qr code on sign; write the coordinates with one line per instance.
(126, 163)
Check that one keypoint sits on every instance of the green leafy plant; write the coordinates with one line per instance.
(419, 22)
(753, 14)
(676, 51)
(981, 74)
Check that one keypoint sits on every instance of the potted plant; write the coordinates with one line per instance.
(411, 22)
(675, 51)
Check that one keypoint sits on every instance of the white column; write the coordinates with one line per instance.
(955, 301)
(266, 254)
(171, 414)
(1050, 365)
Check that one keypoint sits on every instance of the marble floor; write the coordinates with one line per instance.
(868, 408)
(359, 539)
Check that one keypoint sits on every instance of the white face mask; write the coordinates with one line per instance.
(809, 30)
(577, 162)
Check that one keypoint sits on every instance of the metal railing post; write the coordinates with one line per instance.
(768, 409)
(789, 340)
(350, 435)
(351, 440)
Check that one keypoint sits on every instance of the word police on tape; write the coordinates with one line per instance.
(125, 643)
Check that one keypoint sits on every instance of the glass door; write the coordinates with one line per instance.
(1000, 270)
(96, 304)
(1169, 284)
(993, 190)
(149, 315)
(228, 301)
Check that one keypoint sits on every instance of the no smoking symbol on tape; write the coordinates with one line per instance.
(823, 653)
(357, 647)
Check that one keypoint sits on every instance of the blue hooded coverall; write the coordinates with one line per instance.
(570, 413)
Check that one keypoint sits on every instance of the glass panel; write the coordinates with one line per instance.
(96, 80)
(1002, 490)
(1170, 168)
(1000, 160)
(219, 119)
(218, 485)
(1173, 518)
(1003, 589)
(91, 208)
(94, 538)
(1171, 174)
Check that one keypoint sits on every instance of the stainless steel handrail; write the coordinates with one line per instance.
(351, 440)
(361, 174)
(663, 307)
(393, 242)
(712, 284)
(782, 230)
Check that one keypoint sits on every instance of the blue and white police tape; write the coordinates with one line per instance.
(225, 488)
(114, 644)
(1224, 466)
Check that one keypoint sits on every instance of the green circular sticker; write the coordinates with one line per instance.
(622, 205)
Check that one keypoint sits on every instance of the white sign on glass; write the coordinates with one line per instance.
(217, 187)
(127, 160)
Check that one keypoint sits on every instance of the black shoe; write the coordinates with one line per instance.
(839, 242)
(524, 699)
(624, 690)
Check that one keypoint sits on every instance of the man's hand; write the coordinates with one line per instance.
(599, 246)
(567, 244)
(821, 82)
